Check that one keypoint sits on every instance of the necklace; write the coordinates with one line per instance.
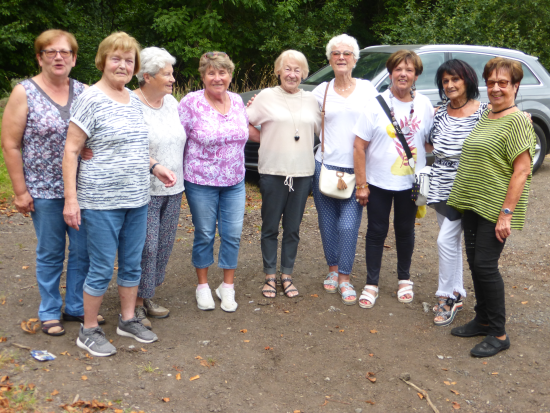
(343, 89)
(513, 106)
(222, 112)
(296, 134)
(405, 129)
(161, 103)
(460, 107)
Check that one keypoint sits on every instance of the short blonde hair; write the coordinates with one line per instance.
(217, 61)
(408, 56)
(295, 55)
(49, 36)
(117, 41)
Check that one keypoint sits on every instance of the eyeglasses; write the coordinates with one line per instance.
(212, 55)
(346, 53)
(52, 53)
(503, 84)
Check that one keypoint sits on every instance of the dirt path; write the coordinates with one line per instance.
(309, 354)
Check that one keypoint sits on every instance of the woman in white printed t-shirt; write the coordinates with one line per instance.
(339, 219)
(383, 173)
(289, 117)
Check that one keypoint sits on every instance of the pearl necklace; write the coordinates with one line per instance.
(343, 89)
(161, 103)
(405, 129)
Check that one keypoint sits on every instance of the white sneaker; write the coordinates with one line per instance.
(227, 295)
(204, 299)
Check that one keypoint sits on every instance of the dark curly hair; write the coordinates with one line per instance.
(463, 70)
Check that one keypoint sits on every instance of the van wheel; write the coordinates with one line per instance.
(540, 148)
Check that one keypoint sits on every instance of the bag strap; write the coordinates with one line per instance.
(323, 125)
(398, 132)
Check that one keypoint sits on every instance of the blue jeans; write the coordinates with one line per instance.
(109, 231)
(51, 231)
(224, 204)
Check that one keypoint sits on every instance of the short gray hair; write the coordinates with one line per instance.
(153, 59)
(347, 40)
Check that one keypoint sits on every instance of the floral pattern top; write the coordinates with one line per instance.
(214, 153)
(43, 140)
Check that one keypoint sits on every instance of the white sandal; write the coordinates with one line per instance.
(408, 289)
(366, 295)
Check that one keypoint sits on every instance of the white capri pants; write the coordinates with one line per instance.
(449, 245)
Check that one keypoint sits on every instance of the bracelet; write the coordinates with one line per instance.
(361, 186)
(153, 167)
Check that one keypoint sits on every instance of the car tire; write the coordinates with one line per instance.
(540, 149)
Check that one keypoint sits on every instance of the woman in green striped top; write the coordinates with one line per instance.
(491, 189)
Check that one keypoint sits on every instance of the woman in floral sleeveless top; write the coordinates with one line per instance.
(34, 129)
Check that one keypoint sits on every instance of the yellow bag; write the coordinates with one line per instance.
(421, 211)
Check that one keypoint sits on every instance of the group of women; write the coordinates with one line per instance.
(108, 167)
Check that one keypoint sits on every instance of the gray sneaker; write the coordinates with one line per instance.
(141, 314)
(93, 340)
(133, 328)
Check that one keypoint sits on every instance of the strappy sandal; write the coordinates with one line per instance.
(331, 280)
(350, 292)
(273, 288)
(46, 329)
(408, 289)
(442, 302)
(368, 296)
(448, 315)
(290, 288)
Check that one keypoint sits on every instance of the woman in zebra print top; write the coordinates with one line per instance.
(453, 122)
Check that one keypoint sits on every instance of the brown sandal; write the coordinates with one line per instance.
(46, 329)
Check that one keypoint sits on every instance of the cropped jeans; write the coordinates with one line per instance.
(221, 204)
(111, 231)
(51, 231)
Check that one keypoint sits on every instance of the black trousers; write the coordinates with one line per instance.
(483, 251)
(378, 218)
(277, 202)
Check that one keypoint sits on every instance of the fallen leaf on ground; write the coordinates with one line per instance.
(448, 383)
(198, 358)
(455, 392)
(484, 362)
(444, 369)
(4, 378)
(268, 348)
(315, 295)
(84, 378)
(524, 302)
(373, 331)
(246, 341)
(453, 383)
(370, 377)
(54, 393)
(369, 402)
(178, 376)
(494, 373)
(341, 331)
(116, 268)
(386, 246)
(25, 267)
(142, 349)
(31, 326)
(244, 331)
(456, 406)
(420, 396)
(65, 353)
(89, 368)
(204, 363)
(371, 355)
(286, 311)
(166, 399)
(194, 377)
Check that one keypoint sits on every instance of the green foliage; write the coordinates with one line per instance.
(521, 25)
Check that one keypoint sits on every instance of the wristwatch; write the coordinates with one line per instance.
(507, 211)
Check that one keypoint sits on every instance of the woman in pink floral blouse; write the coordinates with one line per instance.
(216, 125)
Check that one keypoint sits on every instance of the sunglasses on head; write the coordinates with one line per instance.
(212, 55)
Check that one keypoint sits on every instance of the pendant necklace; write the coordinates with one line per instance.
(296, 134)
(405, 129)
(214, 102)
(513, 106)
(161, 103)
